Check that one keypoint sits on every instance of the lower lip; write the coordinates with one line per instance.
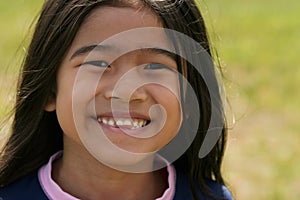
(116, 130)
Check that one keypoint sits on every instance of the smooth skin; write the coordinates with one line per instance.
(77, 172)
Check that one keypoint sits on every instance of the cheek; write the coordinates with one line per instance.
(64, 111)
(75, 100)
(64, 101)
(173, 120)
(169, 98)
(171, 103)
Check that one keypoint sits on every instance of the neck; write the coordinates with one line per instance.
(97, 181)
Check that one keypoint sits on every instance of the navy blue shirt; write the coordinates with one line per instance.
(29, 187)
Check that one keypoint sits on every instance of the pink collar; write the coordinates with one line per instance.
(53, 190)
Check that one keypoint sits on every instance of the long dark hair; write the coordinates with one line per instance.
(36, 134)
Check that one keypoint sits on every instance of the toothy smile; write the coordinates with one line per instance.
(128, 123)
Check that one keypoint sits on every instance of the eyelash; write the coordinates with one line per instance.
(150, 66)
(157, 66)
(98, 63)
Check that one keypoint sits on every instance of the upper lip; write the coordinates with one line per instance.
(118, 114)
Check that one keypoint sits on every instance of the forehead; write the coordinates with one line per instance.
(107, 22)
(123, 17)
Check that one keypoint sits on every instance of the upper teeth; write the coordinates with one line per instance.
(132, 123)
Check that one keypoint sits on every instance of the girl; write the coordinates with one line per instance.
(102, 111)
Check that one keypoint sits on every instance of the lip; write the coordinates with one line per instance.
(124, 115)
(117, 130)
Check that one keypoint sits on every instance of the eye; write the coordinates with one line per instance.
(97, 63)
(156, 66)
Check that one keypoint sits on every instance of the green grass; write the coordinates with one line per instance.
(15, 18)
(258, 42)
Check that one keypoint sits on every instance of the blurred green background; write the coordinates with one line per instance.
(258, 43)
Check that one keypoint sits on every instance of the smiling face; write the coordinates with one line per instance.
(124, 86)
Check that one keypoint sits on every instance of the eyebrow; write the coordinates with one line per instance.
(86, 49)
(89, 48)
(160, 51)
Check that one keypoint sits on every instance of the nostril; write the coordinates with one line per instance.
(114, 97)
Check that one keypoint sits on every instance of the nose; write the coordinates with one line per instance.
(126, 96)
(125, 86)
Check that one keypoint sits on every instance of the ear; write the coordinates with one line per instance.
(51, 103)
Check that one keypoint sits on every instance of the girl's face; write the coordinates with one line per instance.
(108, 90)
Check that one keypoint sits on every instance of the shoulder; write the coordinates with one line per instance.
(28, 187)
(219, 190)
(183, 191)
